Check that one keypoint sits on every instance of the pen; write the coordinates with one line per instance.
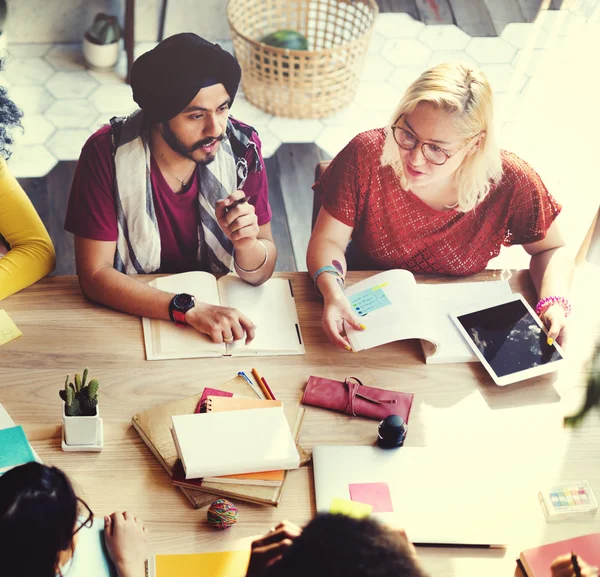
(575, 565)
(249, 381)
(268, 388)
(259, 380)
(235, 203)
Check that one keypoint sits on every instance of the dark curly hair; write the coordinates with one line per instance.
(339, 545)
(10, 117)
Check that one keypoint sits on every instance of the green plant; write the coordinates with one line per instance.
(80, 397)
(592, 398)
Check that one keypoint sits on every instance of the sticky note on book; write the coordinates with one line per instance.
(350, 508)
(8, 329)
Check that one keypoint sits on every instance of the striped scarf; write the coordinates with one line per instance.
(138, 242)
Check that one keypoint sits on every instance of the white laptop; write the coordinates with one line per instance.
(439, 497)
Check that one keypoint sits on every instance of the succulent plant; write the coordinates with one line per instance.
(592, 398)
(80, 397)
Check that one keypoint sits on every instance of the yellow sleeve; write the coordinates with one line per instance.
(31, 255)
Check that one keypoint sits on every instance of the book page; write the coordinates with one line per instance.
(164, 339)
(388, 305)
(271, 308)
(441, 300)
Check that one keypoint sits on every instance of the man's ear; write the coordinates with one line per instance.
(477, 143)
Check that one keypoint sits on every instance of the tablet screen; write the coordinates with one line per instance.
(509, 338)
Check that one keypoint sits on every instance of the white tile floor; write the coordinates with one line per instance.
(543, 74)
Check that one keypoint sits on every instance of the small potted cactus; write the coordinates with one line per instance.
(81, 413)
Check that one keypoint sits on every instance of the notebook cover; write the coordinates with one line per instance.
(537, 560)
(213, 393)
(221, 564)
(15, 448)
(153, 427)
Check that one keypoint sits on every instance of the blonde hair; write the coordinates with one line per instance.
(465, 92)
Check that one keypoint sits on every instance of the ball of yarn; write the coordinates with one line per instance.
(222, 514)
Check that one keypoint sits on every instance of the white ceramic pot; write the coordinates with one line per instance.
(81, 430)
(100, 56)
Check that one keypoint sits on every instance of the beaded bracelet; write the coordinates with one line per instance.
(547, 302)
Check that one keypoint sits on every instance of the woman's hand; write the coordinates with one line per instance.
(126, 537)
(270, 548)
(336, 310)
(563, 567)
(555, 321)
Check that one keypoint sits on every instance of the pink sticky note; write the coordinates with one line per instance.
(208, 392)
(376, 494)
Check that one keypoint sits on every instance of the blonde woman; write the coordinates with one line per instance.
(433, 193)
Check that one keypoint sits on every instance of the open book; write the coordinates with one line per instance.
(394, 307)
(271, 307)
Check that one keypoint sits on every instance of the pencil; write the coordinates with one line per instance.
(575, 565)
(236, 202)
(268, 388)
(259, 380)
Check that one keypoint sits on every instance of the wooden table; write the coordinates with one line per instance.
(455, 403)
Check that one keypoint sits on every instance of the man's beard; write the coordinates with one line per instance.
(171, 139)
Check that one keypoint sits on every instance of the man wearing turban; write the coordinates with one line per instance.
(178, 185)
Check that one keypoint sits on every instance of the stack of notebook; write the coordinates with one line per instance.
(265, 487)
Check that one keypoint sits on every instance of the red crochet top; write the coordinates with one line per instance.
(393, 228)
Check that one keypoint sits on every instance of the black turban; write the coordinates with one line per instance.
(168, 77)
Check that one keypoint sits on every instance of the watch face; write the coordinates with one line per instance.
(183, 302)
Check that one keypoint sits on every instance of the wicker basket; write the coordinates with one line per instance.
(302, 83)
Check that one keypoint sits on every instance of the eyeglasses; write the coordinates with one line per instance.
(433, 153)
(90, 517)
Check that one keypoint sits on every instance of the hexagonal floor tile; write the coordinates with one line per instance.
(441, 56)
(99, 122)
(376, 69)
(398, 25)
(531, 61)
(66, 57)
(31, 161)
(404, 76)
(36, 130)
(490, 50)
(71, 113)
(334, 138)
(504, 77)
(114, 75)
(27, 50)
(28, 71)
(113, 99)
(67, 144)
(352, 115)
(406, 52)
(560, 22)
(295, 129)
(71, 85)
(31, 99)
(248, 113)
(444, 37)
(377, 42)
(270, 143)
(525, 35)
(378, 96)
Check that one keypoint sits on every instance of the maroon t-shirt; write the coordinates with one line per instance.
(91, 212)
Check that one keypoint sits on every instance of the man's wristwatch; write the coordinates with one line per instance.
(179, 305)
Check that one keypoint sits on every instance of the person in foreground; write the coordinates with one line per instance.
(334, 545)
(42, 521)
(157, 192)
(433, 193)
(26, 251)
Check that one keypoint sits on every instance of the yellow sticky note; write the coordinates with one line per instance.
(225, 564)
(350, 508)
(380, 286)
(8, 329)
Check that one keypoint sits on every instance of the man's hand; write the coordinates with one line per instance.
(270, 548)
(126, 537)
(563, 567)
(239, 224)
(221, 324)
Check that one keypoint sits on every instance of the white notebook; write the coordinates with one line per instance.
(270, 306)
(234, 442)
(394, 307)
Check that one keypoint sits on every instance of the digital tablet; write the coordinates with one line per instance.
(510, 341)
